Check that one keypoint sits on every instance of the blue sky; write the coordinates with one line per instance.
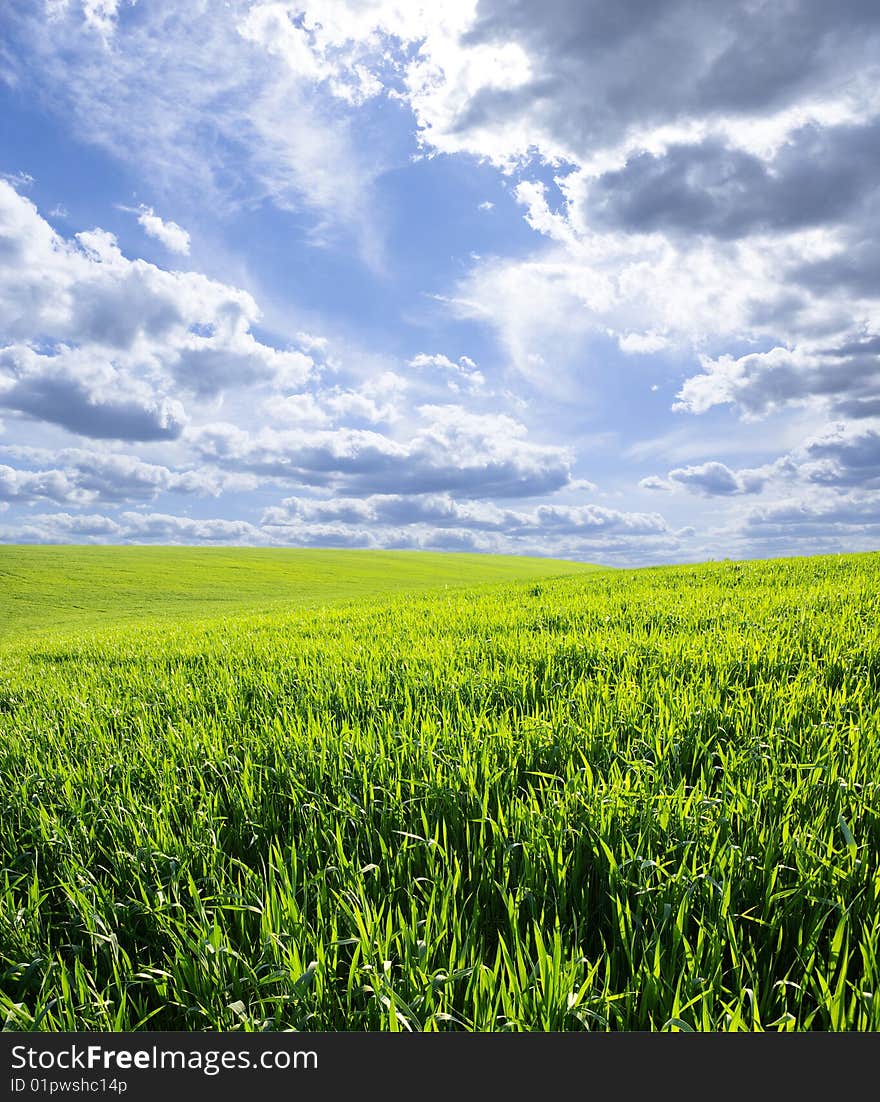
(574, 278)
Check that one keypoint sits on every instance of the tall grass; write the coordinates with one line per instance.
(634, 800)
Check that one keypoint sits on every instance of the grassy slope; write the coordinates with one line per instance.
(623, 800)
(74, 588)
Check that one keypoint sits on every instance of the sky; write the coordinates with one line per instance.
(590, 279)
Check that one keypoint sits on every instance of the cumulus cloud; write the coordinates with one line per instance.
(28, 486)
(175, 238)
(701, 180)
(83, 477)
(440, 521)
(118, 337)
(819, 177)
(841, 461)
(716, 183)
(715, 478)
(453, 449)
(458, 375)
(132, 527)
(443, 511)
(588, 76)
(852, 513)
(845, 455)
(847, 379)
(86, 396)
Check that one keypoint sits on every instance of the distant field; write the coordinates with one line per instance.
(58, 588)
(618, 800)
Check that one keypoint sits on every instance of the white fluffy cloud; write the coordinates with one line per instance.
(462, 374)
(175, 238)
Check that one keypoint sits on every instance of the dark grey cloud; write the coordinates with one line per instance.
(821, 176)
(854, 269)
(606, 68)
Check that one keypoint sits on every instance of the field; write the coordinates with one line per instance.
(52, 588)
(609, 800)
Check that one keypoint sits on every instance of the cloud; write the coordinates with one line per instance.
(103, 344)
(715, 478)
(132, 527)
(453, 449)
(655, 482)
(232, 357)
(62, 528)
(443, 511)
(440, 521)
(85, 396)
(700, 180)
(197, 99)
(402, 521)
(643, 344)
(173, 237)
(18, 180)
(848, 514)
(377, 400)
(820, 176)
(842, 458)
(456, 375)
(847, 379)
(845, 455)
(98, 15)
(29, 486)
(83, 477)
(167, 528)
(716, 186)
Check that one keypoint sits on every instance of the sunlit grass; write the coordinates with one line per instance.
(621, 800)
(62, 588)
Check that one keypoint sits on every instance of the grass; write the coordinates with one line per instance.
(58, 588)
(616, 800)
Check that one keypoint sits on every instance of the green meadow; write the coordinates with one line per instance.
(56, 588)
(341, 791)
